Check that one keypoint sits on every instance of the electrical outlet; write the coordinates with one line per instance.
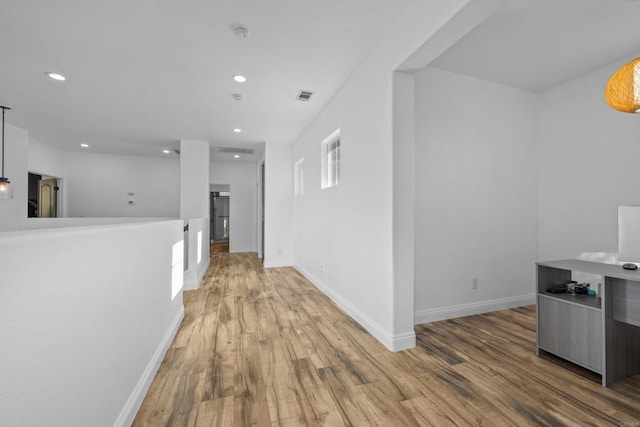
(322, 269)
(474, 283)
(279, 251)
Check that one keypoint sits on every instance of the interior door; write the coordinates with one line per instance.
(212, 218)
(47, 197)
(221, 211)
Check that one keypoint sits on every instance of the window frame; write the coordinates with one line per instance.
(330, 160)
(298, 178)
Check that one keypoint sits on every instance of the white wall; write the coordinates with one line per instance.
(404, 137)
(31, 224)
(278, 205)
(98, 185)
(242, 178)
(348, 229)
(259, 202)
(197, 253)
(194, 179)
(194, 207)
(15, 169)
(86, 315)
(476, 209)
(46, 160)
(588, 165)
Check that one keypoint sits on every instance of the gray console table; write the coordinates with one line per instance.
(600, 333)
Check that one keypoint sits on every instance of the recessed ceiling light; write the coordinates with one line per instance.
(56, 76)
(84, 145)
(237, 156)
(166, 151)
(239, 78)
(237, 130)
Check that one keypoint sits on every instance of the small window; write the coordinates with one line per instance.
(298, 178)
(331, 160)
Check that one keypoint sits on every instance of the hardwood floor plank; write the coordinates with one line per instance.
(215, 413)
(266, 348)
(185, 401)
(388, 411)
(319, 407)
(428, 413)
(347, 398)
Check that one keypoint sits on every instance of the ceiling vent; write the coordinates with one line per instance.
(304, 95)
(234, 150)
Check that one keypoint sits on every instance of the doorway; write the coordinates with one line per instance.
(43, 199)
(219, 214)
(262, 193)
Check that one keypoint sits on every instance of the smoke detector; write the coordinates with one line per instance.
(240, 31)
(237, 96)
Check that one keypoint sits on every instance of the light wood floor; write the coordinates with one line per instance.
(266, 348)
(219, 248)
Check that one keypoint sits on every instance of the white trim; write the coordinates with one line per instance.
(403, 341)
(394, 342)
(204, 267)
(189, 282)
(451, 312)
(278, 263)
(132, 406)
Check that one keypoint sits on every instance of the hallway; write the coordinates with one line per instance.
(266, 348)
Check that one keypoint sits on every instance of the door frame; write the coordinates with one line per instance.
(59, 191)
(262, 215)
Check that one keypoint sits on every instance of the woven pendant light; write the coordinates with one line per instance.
(623, 89)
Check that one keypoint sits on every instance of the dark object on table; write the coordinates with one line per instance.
(629, 266)
(581, 288)
(561, 289)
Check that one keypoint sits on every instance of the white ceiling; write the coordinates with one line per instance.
(143, 74)
(537, 44)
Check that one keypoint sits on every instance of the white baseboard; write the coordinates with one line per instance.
(277, 263)
(451, 312)
(128, 413)
(394, 342)
(203, 272)
(189, 282)
(402, 341)
(193, 279)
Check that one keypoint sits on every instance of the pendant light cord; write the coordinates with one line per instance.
(3, 108)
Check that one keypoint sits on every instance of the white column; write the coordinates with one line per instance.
(403, 209)
(278, 243)
(194, 179)
(194, 207)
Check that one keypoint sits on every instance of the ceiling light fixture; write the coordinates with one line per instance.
(166, 151)
(237, 130)
(56, 76)
(622, 92)
(237, 156)
(239, 78)
(84, 145)
(6, 189)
